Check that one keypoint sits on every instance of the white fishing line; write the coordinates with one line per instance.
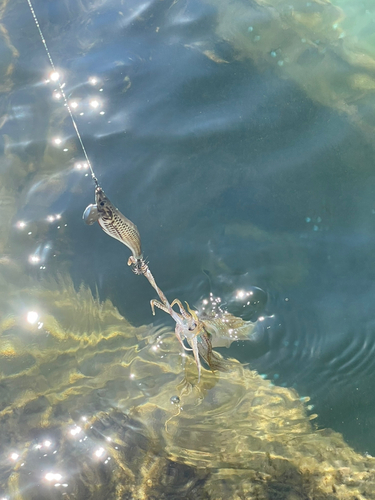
(62, 91)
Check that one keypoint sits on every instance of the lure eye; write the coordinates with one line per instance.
(101, 203)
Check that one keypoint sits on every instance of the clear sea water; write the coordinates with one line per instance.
(240, 171)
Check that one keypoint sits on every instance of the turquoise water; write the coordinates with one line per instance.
(239, 169)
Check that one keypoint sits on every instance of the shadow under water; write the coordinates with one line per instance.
(92, 407)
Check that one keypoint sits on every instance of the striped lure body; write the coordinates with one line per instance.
(113, 222)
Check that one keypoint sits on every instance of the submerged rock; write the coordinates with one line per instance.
(314, 44)
(86, 413)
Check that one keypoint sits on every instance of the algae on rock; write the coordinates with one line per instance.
(97, 408)
(305, 42)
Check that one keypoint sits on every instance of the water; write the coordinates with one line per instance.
(246, 163)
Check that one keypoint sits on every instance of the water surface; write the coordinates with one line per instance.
(240, 172)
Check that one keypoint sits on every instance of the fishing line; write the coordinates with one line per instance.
(116, 225)
(110, 219)
(61, 87)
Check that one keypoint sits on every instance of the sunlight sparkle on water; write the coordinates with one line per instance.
(52, 218)
(99, 452)
(81, 166)
(32, 317)
(21, 224)
(34, 259)
(93, 80)
(14, 456)
(94, 103)
(52, 476)
(54, 76)
(57, 141)
(74, 104)
(75, 431)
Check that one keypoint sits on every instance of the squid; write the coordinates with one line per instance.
(202, 332)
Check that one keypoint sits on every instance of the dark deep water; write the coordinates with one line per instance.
(235, 178)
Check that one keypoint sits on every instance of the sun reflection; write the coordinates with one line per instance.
(75, 430)
(54, 76)
(241, 294)
(99, 452)
(14, 456)
(94, 103)
(52, 218)
(74, 104)
(32, 317)
(34, 259)
(21, 224)
(81, 166)
(57, 141)
(93, 80)
(53, 476)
